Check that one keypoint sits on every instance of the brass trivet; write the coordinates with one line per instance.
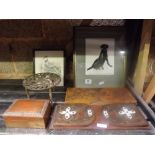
(41, 81)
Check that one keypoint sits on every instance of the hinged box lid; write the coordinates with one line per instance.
(27, 108)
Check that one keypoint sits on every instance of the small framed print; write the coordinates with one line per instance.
(51, 61)
(100, 57)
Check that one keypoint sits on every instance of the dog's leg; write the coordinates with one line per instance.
(108, 62)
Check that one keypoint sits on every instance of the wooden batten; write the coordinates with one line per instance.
(150, 91)
(140, 71)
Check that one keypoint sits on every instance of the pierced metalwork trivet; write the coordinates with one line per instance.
(41, 81)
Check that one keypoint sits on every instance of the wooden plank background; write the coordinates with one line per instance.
(26, 35)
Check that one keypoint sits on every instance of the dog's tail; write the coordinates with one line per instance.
(89, 68)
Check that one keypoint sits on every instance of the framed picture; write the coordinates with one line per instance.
(50, 61)
(100, 57)
(14, 65)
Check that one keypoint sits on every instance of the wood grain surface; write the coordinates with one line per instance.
(99, 96)
(99, 120)
(150, 90)
(26, 113)
(141, 67)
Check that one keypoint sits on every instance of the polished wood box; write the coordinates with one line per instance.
(82, 116)
(27, 113)
(99, 96)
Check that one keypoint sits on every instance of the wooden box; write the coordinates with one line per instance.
(82, 116)
(99, 96)
(27, 113)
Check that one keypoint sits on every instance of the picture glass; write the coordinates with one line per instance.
(15, 65)
(99, 59)
(99, 62)
(50, 61)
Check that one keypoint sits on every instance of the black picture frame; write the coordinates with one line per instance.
(81, 35)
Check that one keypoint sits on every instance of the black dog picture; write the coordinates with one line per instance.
(99, 56)
(103, 56)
